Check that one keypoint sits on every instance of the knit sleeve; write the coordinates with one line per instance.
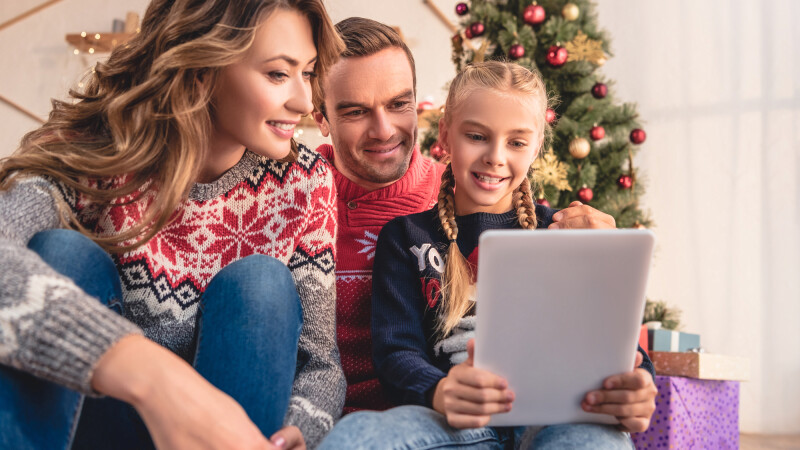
(319, 386)
(49, 327)
(399, 345)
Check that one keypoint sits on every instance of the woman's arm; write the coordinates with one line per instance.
(49, 327)
(398, 334)
(319, 385)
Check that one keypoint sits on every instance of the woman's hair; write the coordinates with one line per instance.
(145, 115)
(508, 78)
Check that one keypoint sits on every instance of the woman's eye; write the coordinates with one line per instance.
(308, 75)
(278, 76)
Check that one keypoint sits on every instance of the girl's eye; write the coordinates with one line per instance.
(518, 144)
(475, 137)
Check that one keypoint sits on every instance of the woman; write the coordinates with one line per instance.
(178, 161)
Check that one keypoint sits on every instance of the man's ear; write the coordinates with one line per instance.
(322, 123)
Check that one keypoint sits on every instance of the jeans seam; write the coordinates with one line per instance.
(76, 418)
(451, 443)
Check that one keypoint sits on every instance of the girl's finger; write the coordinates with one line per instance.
(641, 409)
(619, 396)
(482, 395)
(467, 421)
(478, 378)
(459, 406)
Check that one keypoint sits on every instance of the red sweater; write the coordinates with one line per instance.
(361, 215)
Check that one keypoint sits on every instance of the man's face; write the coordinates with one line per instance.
(371, 117)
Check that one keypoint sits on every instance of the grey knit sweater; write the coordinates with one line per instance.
(50, 328)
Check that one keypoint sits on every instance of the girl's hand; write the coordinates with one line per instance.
(630, 397)
(180, 408)
(468, 396)
(578, 215)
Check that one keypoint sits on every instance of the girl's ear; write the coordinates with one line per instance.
(443, 132)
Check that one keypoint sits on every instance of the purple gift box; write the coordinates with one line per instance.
(693, 414)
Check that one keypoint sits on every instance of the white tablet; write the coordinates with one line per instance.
(558, 312)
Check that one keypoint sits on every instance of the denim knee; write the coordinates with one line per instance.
(257, 286)
(77, 257)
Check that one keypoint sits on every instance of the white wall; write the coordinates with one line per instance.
(717, 87)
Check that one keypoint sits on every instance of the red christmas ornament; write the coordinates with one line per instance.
(477, 29)
(585, 194)
(462, 9)
(638, 136)
(468, 33)
(550, 115)
(437, 151)
(597, 133)
(534, 14)
(542, 201)
(516, 51)
(625, 181)
(599, 90)
(556, 56)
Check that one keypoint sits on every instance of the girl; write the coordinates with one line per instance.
(178, 160)
(423, 308)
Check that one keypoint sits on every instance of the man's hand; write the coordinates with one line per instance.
(468, 396)
(578, 215)
(630, 397)
(289, 438)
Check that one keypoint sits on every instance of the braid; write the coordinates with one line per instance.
(523, 202)
(457, 277)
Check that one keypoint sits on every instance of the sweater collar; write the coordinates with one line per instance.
(229, 179)
(348, 190)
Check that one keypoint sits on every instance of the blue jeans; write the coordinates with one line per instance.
(418, 427)
(248, 327)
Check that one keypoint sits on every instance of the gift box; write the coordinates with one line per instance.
(693, 414)
(705, 366)
(672, 341)
(643, 339)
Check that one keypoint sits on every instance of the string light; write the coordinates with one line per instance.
(97, 36)
(91, 50)
(76, 51)
(83, 34)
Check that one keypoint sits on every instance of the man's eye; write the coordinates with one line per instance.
(400, 105)
(355, 113)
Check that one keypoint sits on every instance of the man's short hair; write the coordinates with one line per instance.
(365, 37)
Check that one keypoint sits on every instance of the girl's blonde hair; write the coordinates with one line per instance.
(507, 78)
(145, 114)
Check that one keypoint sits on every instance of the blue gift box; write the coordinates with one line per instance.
(672, 341)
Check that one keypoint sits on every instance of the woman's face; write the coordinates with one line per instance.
(492, 138)
(258, 101)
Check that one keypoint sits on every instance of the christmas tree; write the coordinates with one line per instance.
(588, 155)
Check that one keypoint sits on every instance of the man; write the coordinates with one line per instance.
(368, 108)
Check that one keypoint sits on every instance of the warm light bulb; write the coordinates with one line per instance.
(83, 34)
(97, 36)
(91, 50)
(76, 51)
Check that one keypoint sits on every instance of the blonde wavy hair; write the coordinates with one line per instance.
(507, 78)
(145, 114)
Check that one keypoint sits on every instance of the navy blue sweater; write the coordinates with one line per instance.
(410, 358)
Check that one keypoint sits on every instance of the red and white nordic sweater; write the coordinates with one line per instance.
(361, 215)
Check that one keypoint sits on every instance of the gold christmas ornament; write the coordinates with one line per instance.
(570, 12)
(549, 170)
(579, 148)
(582, 48)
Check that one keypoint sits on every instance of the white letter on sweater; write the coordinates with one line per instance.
(420, 254)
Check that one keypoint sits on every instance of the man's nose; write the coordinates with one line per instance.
(381, 127)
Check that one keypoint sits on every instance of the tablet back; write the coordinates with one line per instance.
(557, 312)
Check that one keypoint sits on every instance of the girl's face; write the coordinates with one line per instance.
(492, 138)
(258, 101)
